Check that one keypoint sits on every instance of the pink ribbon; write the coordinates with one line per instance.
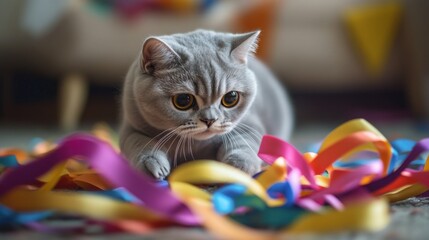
(110, 165)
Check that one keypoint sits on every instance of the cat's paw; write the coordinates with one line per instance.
(156, 166)
(246, 162)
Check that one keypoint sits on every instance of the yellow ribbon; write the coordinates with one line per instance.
(213, 172)
(368, 216)
(88, 205)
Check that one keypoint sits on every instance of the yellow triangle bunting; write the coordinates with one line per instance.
(373, 28)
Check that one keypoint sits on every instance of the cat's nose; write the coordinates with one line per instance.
(208, 122)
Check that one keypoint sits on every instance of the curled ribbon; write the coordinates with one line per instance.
(326, 191)
(111, 166)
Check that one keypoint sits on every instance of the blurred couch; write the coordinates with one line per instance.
(313, 48)
(79, 44)
(102, 46)
(306, 43)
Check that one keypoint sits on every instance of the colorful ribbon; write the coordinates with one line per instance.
(346, 185)
(113, 167)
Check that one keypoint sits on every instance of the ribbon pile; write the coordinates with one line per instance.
(346, 185)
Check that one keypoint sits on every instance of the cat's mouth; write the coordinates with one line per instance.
(207, 133)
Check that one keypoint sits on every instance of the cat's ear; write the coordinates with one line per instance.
(156, 55)
(243, 45)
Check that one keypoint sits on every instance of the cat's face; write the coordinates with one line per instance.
(195, 84)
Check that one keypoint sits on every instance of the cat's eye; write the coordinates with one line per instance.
(183, 101)
(230, 99)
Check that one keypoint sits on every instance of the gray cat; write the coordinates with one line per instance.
(200, 95)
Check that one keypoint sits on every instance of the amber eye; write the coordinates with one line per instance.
(183, 101)
(230, 99)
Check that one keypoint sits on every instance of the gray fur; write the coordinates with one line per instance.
(156, 137)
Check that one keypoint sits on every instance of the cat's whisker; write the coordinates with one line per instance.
(253, 135)
(230, 141)
(164, 140)
(225, 141)
(251, 130)
(240, 134)
(191, 141)
(184, 148)
(177, 151)
(160, 143)
(233, 142)
(163, 132)
(245, 132)
(167, 132)
(176, 136)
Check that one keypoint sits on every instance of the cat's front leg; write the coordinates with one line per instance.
(138, 148)
(240, 152)
(157, 165)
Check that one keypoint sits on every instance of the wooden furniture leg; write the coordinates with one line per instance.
(73, 93)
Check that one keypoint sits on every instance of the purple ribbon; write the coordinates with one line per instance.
(112, 166)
